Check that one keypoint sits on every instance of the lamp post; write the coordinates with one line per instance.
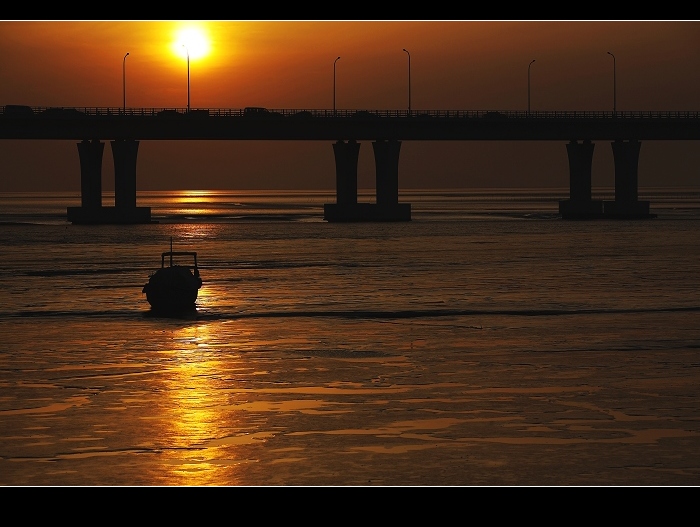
(336, 60)
(188, 77)
(124, 80)
(614, 83)
(528, 85)
(409, 80)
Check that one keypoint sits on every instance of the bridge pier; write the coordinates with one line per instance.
(90, 153)
(386, 162)
(387, 206)
(626, 204)
(346, 157)
(580, 205)
(91, 211)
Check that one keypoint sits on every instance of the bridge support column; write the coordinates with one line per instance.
(90, 153)
(346, 156)
(124, 154)
(386, 162)
(387, 207)
(345, 208)
(626, 204)
(580, 205)
(125, 210)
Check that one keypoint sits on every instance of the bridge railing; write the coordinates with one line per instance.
(258, 113)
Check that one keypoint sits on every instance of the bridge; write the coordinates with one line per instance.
(124, 128)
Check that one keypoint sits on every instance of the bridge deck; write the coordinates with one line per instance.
(26, 122)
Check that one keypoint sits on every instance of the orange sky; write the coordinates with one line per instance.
(467, 65)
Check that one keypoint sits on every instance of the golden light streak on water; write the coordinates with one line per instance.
(196, 409)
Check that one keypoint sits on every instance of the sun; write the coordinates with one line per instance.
(192, 39)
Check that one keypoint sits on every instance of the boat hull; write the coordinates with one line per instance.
(172, 290)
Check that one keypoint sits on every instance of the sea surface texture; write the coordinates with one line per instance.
(485, 342)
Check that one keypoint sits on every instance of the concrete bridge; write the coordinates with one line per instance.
(124, 128)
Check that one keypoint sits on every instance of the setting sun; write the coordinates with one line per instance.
(193, 40)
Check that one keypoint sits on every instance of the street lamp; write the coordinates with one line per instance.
(409, 80)
(124, 80)
(614, 83)
(336, 60)
(188, 77)
(528, 85)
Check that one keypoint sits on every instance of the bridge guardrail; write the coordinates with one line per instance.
(23, 111)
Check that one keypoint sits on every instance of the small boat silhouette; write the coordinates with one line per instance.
(174, 288)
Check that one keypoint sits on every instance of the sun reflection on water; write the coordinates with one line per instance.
(194, 232)
(194, 203)
(198, 418)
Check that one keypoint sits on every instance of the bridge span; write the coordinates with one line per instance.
(124, 128)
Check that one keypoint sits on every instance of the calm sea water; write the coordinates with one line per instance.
(485, 342)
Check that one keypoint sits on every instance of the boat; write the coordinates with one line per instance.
(174, 287)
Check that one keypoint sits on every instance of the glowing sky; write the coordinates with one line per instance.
(468, 65)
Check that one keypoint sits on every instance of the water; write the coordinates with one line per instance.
(486, 342)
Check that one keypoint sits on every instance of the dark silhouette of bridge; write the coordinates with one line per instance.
(124, 128)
